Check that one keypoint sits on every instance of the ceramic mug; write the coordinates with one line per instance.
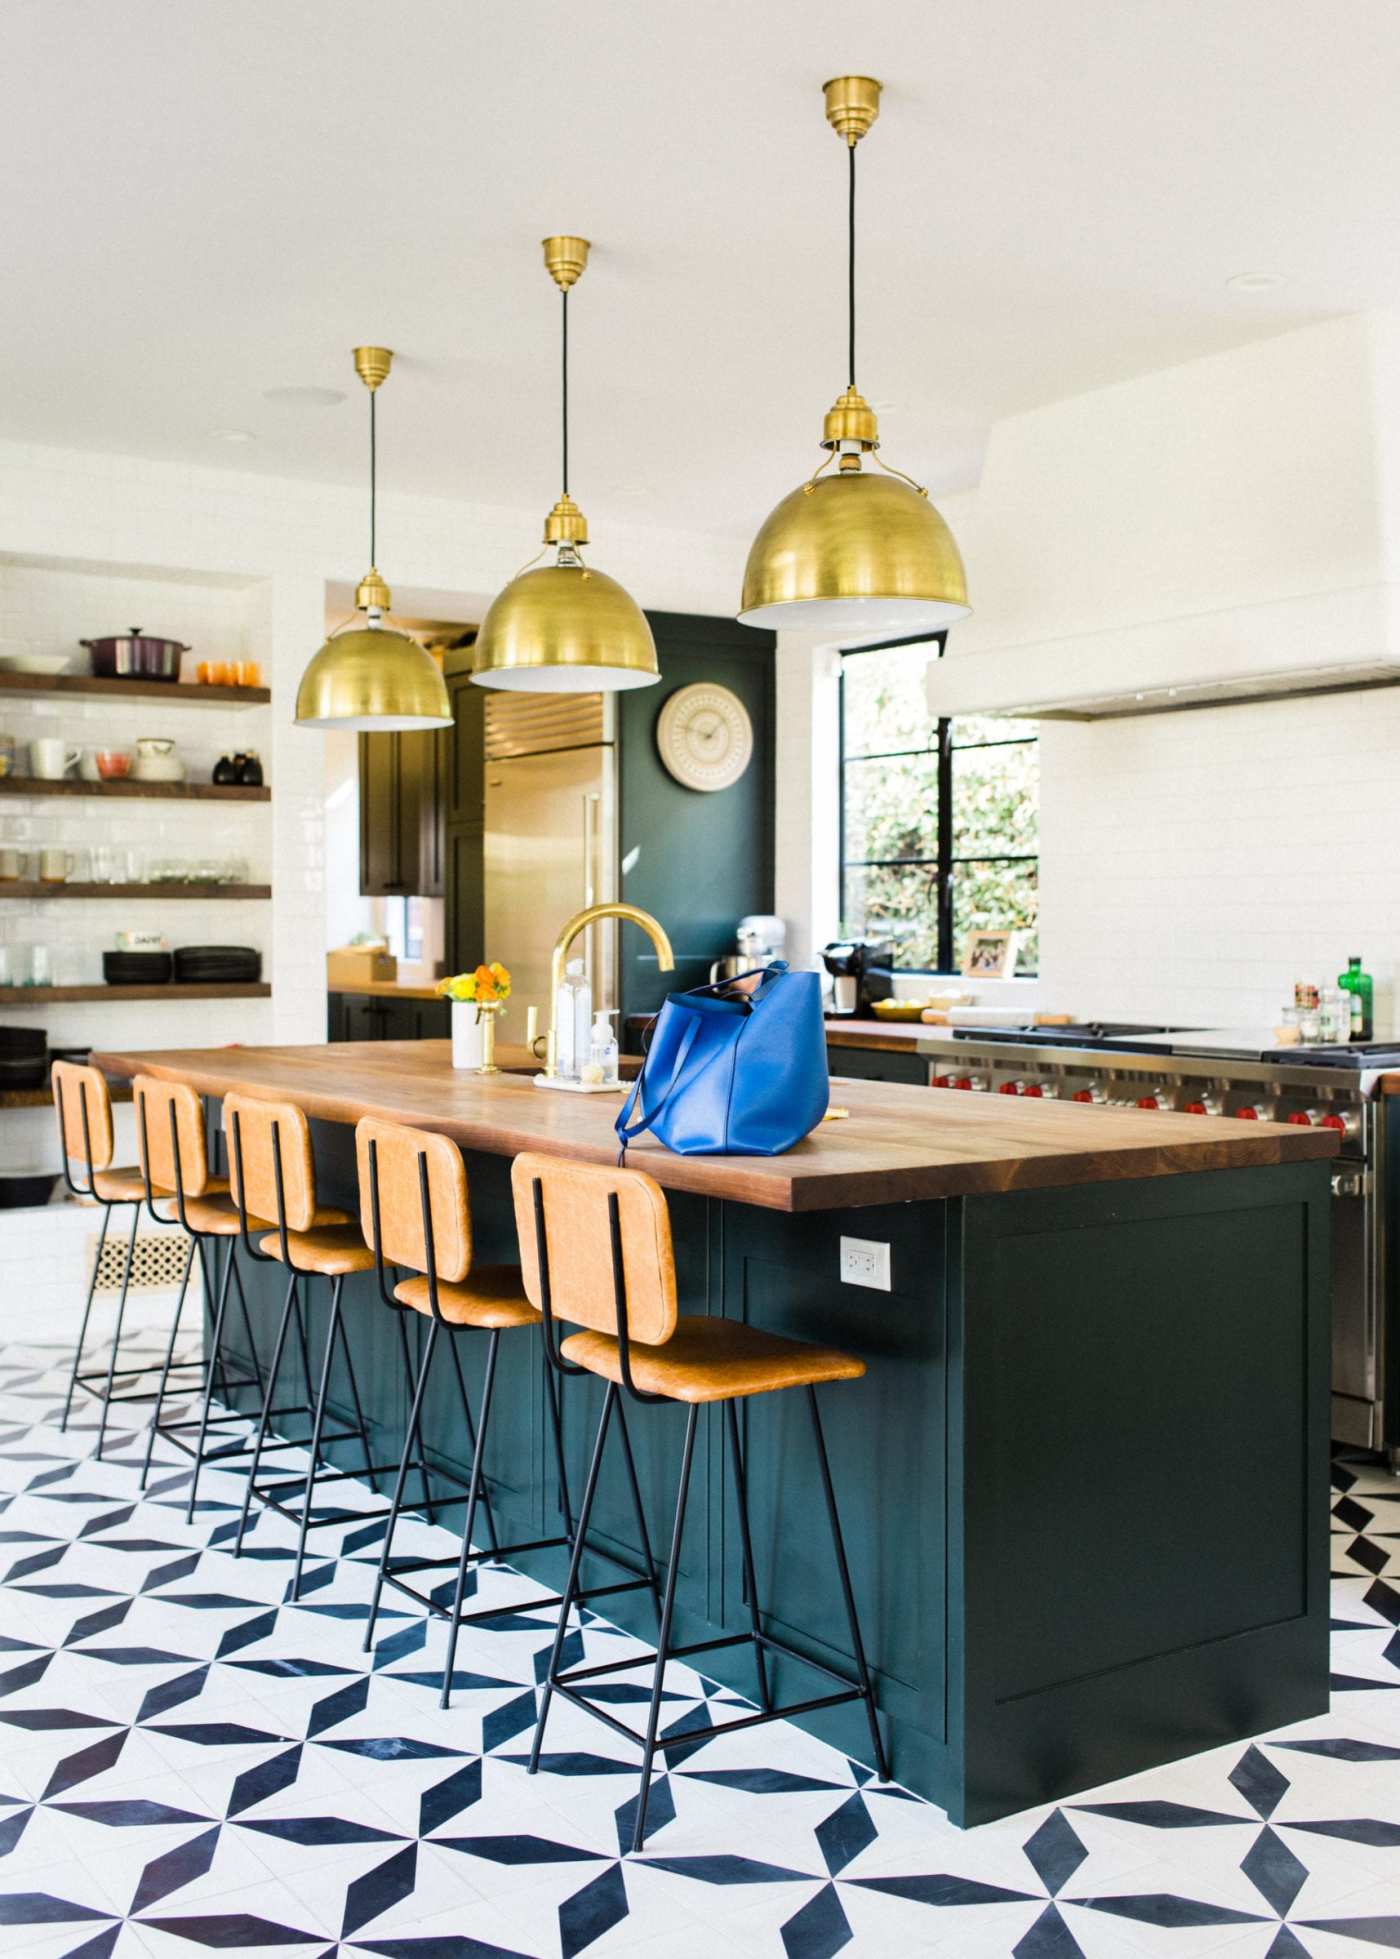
(55, 866)
(51, 757)
(14, 864)
(87, 766)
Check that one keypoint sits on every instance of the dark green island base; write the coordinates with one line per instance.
(1083, 1483)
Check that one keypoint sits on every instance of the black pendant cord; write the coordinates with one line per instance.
(373, 474)
(564, 393)
(851, 263)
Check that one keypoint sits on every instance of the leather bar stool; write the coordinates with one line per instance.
(175, 1157)
(415, 1211)
(274, 1188)
(596, 1251)
(84, 1107)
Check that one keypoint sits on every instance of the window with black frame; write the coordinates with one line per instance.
(940, 832)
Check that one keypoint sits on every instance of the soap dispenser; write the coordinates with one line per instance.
(573, 1010)
(602, 1051)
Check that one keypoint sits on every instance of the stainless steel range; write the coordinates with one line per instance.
(1235, 1074)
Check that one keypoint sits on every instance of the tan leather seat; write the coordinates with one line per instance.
(712, 1360)
(489, 1297)
(216, 1216)
(331, 1249)
(124, 1186)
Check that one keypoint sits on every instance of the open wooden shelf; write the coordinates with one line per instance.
(204, 792)
(39, 996)
(173, 691)
(42, 1098)
(30, 888)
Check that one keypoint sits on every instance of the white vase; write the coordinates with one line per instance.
(466, 1035)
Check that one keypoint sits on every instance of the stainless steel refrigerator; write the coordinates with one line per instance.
(551, 839)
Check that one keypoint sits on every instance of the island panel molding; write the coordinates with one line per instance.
(897, 1144)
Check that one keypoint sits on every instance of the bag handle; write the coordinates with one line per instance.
(626, 1131)
(723, 989)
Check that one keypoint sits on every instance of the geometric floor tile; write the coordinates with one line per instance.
(189, 1764)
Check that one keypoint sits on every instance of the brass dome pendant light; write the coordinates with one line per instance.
(854, 552)
(563, 627)
(371, 676)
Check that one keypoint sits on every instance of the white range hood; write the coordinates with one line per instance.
(1226, 530)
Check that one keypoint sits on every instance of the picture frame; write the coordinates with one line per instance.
(991, 955)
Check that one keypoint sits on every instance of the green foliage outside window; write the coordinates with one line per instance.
(897, 763)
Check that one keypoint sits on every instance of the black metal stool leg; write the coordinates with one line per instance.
(765, 1699)
(571, 1584)
(318, 1421)
(641, 1514)
(396, 1501)
(664, 1640)
(87, 1314)
(117, 1330)
(243, 1308)
(265, 1415)
(857, 1644)
(216, 1334)
(454, 1624)
(170, 1345)
(489, 1514)
(360, 1423)
(551, 1395)
(411, 1375)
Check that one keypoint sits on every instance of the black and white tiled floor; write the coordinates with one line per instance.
(187, 1764)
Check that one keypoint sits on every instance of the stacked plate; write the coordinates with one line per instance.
(24, 1057)
(211, 965)
(136, 968)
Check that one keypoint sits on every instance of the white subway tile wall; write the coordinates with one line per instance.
(1193, 865)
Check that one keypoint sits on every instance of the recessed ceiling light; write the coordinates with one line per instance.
(304, 397)
(1256, 281)
(232, 435)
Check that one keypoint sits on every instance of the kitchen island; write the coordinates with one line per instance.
(1084, 1481)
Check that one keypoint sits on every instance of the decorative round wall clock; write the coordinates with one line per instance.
(705, 736)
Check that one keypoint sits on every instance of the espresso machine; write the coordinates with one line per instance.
(760, 939)
(861, 971)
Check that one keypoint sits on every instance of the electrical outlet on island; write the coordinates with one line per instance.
(865, 1262)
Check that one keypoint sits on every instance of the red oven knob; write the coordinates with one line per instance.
(1149, 1102)
(1194, 1109)
(1301, 1119)
(1251, 1112)
(1035, 1091)
(1008, 1088)
(961, 1081)
(1346, 1123)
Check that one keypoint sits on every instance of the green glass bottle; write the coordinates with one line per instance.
(1362, 990)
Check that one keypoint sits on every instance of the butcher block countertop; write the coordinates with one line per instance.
(896, 1143)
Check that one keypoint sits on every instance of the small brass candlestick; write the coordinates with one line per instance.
(486, 1011)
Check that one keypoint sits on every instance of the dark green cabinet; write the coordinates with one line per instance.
(402, 813)
(464, 831)
(377, 1017)
(878, 1065)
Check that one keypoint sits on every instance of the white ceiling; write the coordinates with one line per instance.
(208, 201)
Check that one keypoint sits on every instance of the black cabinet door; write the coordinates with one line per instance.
(357, 1017)
(415, 1020)
(383, 869)
(403, 813)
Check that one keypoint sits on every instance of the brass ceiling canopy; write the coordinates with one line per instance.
(854, 552)
(370, 676)
(563, 627)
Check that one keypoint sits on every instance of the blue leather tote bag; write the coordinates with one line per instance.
(733, 1073)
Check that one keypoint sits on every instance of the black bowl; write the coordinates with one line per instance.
(23, 1040)
(25, 1190)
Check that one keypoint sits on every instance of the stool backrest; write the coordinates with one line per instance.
(259, 1133)
(78, 1092)
(579, 1246)
(402, 1240)
(170, 1116)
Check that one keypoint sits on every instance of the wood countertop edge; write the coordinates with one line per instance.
(833, 1188)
